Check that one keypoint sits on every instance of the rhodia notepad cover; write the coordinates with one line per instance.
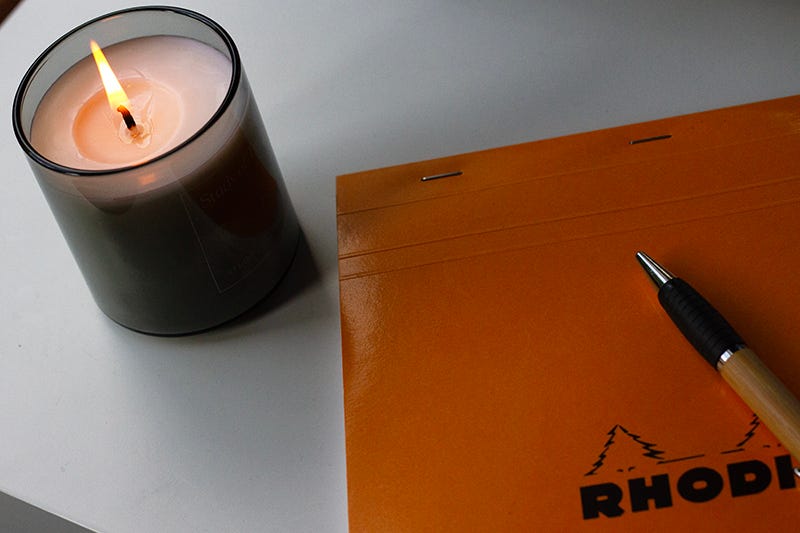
(507, 366)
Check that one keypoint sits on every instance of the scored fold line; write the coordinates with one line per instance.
(511, 249)
(584, 215)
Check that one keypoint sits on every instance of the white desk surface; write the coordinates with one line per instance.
(241, 428)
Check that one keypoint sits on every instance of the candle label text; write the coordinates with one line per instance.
(237, 213)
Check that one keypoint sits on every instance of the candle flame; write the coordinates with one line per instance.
(116, 95)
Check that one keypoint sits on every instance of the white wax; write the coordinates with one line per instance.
(174, 85)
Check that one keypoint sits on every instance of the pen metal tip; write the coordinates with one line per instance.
(657, 273)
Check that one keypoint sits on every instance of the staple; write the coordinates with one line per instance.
(440, 176)
(651, 139)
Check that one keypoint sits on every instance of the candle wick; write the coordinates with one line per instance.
(127, 117)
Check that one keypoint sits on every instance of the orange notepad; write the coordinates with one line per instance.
(507, 366)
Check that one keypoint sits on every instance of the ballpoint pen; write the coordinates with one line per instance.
(724, 349)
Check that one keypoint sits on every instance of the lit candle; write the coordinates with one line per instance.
(170, 86)
(154, 160)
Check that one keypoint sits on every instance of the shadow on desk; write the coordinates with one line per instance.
(302, 274)
(17, 516)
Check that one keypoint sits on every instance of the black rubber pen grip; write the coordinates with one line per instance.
(700, 323)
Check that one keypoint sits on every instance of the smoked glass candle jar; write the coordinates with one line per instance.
(173, 240)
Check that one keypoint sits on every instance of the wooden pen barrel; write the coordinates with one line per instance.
(766, 395)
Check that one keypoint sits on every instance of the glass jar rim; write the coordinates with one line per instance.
(27, 146)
